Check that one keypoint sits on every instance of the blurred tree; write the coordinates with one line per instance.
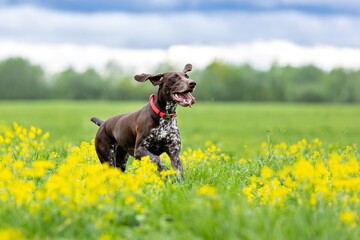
(277, 83)
(307, 84)
(356, 85)
(72, 85)
(218, 81)
(21, 80)
(212, 82)
(344, 85)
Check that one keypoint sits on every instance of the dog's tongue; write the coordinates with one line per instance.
(184, 99)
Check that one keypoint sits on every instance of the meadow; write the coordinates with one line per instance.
(235, 127)
(253, 171)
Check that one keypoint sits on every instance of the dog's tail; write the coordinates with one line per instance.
(97, 121)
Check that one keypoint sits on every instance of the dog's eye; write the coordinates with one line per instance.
(172, 80)
(186, 76)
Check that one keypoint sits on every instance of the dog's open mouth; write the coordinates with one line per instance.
(185, 98)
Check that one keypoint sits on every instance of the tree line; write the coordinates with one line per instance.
(19, 79)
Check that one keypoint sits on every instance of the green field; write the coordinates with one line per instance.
(230, 125)
(278, 187)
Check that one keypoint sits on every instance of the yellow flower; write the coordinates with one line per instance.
(303, 169)
(207, 190)
(23, 194)
(284, 172)
(283, 145)
(165, 173)
(317, 142)
(289, 182)
(43, 164)
(266, 172)
(46, 135)
(209, 143)
(349, 218)
(313, 199)
(33, 129)
(242, 160)
(247, 191)
(5, 174)
(32, 135)
(130, 199)
(105, 237)
(27, 172)
(18, 164)
(11, 234)
(293, 149)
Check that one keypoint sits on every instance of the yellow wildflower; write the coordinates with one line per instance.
(32, 135)
(293, 149)
(207, 190)
(349, 217)
(11, 234)
(130, 199)
(266, 172)
(46, 135)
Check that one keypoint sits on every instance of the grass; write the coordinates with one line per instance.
(287, 188)
(230, 125)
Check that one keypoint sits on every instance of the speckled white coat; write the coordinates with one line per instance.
(166, 133)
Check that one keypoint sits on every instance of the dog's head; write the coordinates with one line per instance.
(176, 85)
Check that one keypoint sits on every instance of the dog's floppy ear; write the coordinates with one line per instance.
(187, 68)
(155, 79)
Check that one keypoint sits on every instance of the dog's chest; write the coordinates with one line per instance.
(166, 135)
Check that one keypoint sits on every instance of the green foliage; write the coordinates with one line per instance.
(20, 79)
(72, 85)
(218, 81)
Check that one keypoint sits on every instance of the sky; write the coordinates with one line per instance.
(140, 34)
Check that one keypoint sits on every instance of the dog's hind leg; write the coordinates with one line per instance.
(121, 158)
(105, 148)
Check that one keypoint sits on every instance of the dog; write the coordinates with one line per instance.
(153, 129)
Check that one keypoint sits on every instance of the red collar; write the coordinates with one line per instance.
(157, 111)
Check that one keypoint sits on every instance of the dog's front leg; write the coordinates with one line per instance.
(142, 151)
(176, 163)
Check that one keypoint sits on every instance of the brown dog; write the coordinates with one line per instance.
(151, 130)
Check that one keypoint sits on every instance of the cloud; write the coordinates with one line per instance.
(140, 41)
(318, 6)
(328, 3)
(150, 30)
(260, 54)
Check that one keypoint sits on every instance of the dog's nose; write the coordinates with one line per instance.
(192, 84)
